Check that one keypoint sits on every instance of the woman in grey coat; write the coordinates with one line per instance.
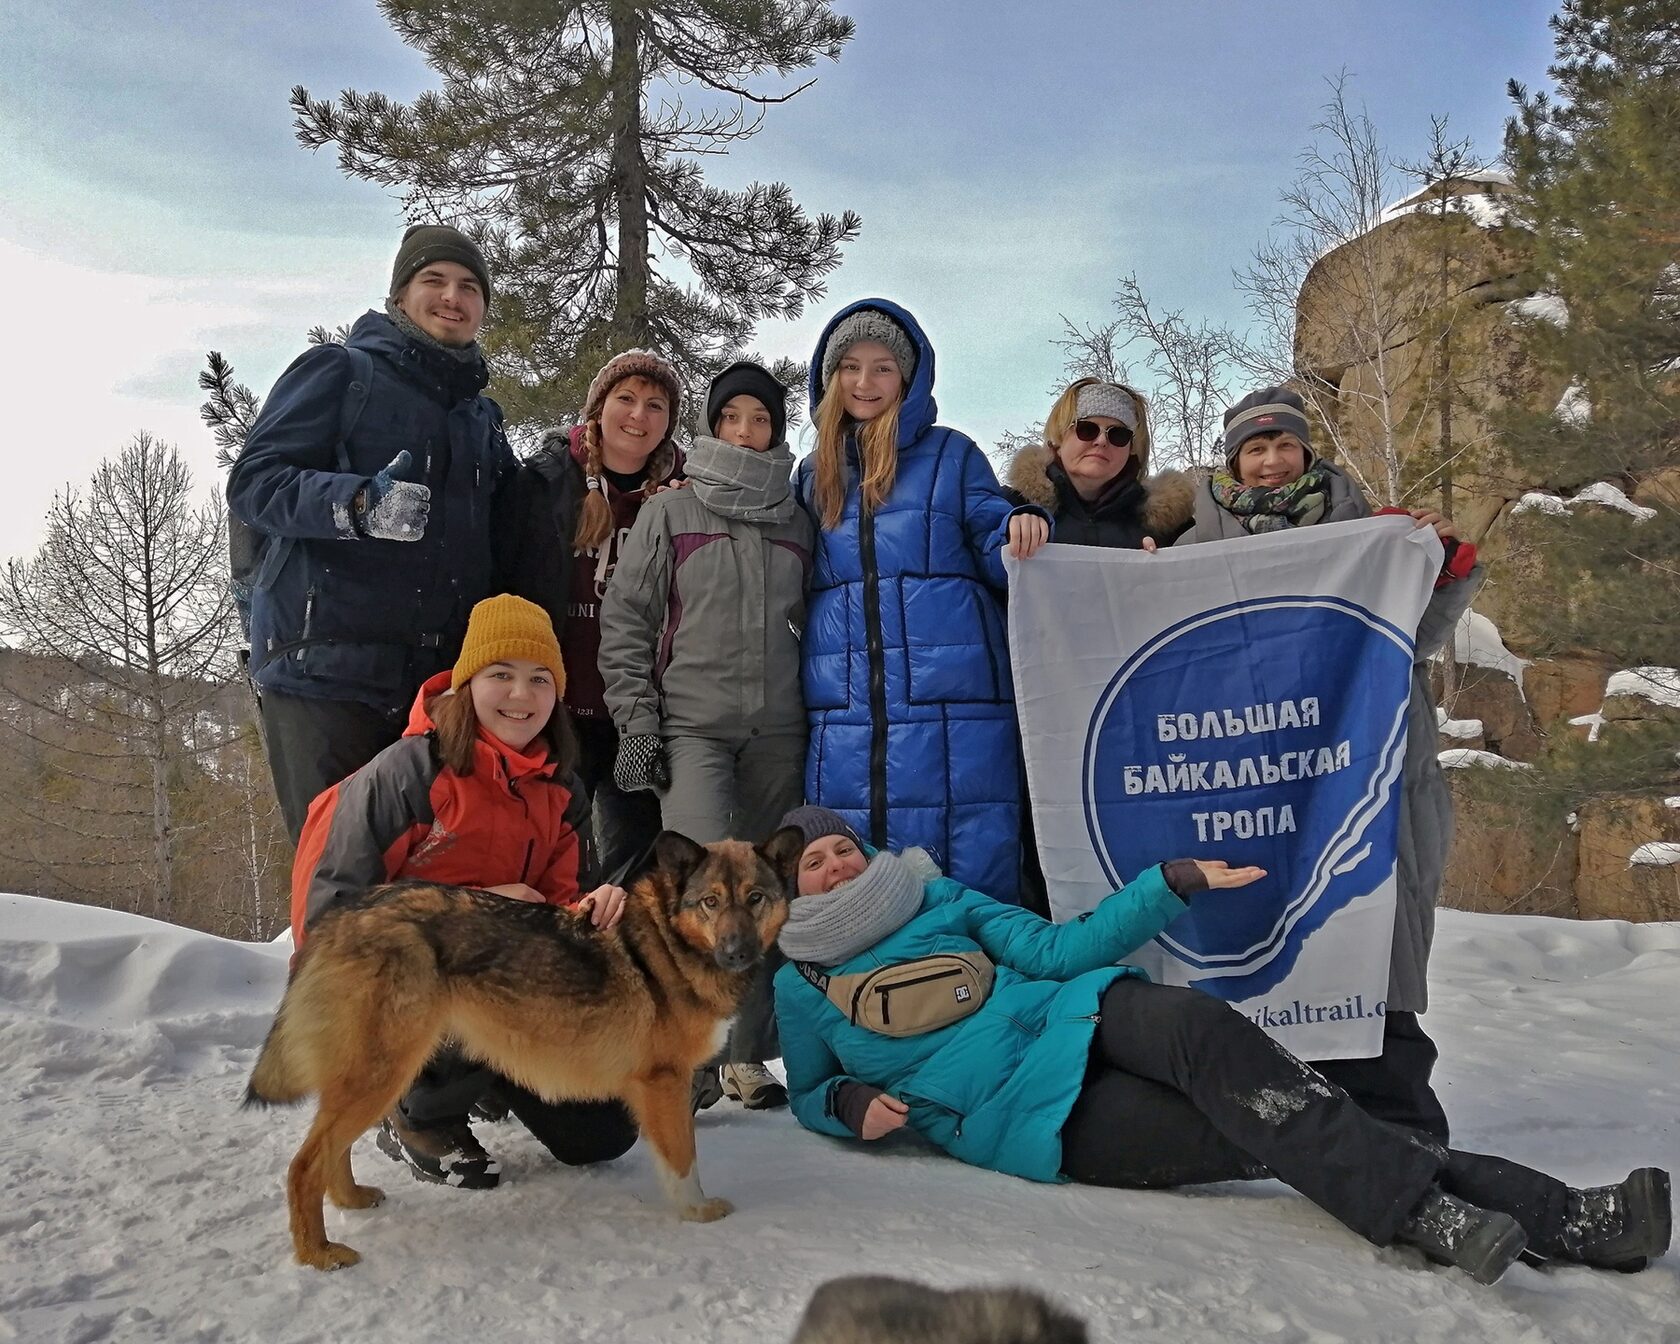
(1271, 482)
(700, 635)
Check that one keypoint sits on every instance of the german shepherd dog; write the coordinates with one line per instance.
(536, 993)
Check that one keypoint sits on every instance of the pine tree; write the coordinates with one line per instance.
(1597, 177)
(562, 140)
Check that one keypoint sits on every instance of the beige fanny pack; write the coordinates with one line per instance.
(912, 997)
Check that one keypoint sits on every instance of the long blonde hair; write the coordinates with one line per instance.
(877, 442)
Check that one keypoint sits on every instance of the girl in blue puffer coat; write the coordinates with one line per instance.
(1022, 1046)
(905, 657)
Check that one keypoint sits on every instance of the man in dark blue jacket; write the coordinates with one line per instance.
(375, 474)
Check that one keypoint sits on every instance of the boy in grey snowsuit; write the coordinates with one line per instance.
(700, 632)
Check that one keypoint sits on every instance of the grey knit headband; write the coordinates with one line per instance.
(1107, 399)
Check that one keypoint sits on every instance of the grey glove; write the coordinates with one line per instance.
(393, 510)
(641, 764)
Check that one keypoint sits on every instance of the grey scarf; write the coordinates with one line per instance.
(739, 483)
(835, 927)
(466, 354)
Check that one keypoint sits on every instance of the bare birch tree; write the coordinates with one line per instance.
(128, 594)
(1354, 302)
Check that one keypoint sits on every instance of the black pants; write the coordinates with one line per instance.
(1395, 1085)
(1183, 1090)
(625, 823)
(577, 1132)
(313, 744)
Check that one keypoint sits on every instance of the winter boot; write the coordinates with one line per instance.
(706, 1090)
(1450, 1232)
(754, 1086)
(1621, 1227)
(445, 1154)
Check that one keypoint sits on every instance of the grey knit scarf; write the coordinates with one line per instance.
(465, 354)
(836, 926)
(736, 482)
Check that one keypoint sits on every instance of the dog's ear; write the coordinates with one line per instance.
(782, 850)
(677, 855)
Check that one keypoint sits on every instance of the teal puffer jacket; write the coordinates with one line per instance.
(994, 1089)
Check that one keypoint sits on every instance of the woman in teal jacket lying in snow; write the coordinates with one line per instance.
(1020, 1045)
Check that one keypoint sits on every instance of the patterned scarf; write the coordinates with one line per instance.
(739, 483)
(836, 926)
(1261, 508)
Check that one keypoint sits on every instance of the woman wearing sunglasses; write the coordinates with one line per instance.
(1091, 473)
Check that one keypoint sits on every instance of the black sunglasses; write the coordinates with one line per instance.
(1087, 431)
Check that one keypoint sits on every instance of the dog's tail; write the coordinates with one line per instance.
(277, 1080)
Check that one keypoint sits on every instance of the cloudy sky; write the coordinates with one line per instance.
(1010, 161)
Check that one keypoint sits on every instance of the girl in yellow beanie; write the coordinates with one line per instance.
(478, 792)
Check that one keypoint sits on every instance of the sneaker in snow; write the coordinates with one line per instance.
(446, 1154)
(754, 1086)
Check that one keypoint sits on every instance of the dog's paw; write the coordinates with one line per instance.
(360, 1197)
(707, 1212)
(331, 1255)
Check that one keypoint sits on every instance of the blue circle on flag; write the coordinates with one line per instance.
(1270, 731)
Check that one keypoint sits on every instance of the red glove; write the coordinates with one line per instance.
(1459, 560)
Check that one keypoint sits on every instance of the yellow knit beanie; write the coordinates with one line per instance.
(507, 627)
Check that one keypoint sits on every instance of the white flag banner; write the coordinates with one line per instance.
(1240, 700)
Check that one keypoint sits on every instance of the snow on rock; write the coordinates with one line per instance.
(1536, 501)
(1672, 802)
(1611, 497)
(1541, 308)
(1574, 406)
(1476, 641)
(1459, 729)
(1659, 685)
(1484, 208)
(1656, 854)
(1593, 723)
(1458, 758)
(139, 1203)
(1601, 493)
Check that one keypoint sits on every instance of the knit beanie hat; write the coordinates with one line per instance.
(634, 364)
(868, 324)
(816, 822)
(1271, 410)
(423, 244)
(505, 627)
(752, 380)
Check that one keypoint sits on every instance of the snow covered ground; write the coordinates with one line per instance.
(137, 1202)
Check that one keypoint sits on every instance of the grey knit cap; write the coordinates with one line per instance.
(422, 244)
(1271, 410)
(816, 822)
(868, 324)
(1108, 399)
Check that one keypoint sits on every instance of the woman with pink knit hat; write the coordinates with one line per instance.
(577, 498)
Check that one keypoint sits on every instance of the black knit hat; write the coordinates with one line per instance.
(752, 380)
(423, 244)
(816, 822)
(1271, 410)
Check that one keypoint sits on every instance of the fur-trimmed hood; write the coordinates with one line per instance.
(1169, 497)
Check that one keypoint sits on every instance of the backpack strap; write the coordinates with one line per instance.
(815, 978)
(355, 401)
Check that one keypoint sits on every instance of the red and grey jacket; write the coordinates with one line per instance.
(406, 815)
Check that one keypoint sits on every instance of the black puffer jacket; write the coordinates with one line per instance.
(1131, 509)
